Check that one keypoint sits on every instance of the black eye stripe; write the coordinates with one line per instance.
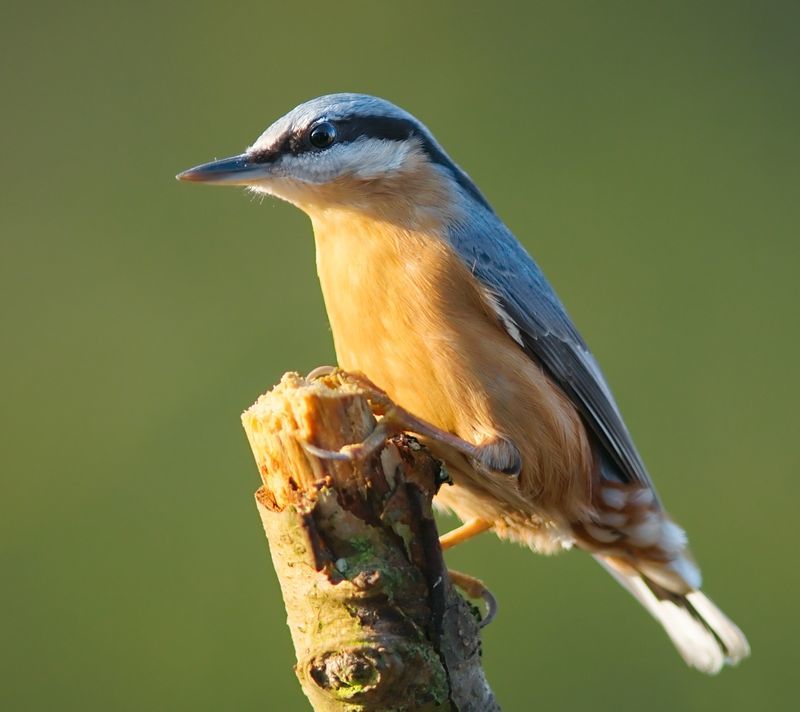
(347, 130)
(380, 127)
(387, 128)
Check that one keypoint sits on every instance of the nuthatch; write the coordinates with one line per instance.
(431, 297)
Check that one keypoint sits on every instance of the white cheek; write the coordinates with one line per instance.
(365, 159)
(310, 167)
(372, 158)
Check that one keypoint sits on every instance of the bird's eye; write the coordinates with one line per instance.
(322, 135)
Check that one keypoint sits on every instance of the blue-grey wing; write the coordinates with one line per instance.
(548, 335)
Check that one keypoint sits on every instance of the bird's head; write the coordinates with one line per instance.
(347, 151)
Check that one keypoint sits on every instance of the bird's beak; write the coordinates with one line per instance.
(237, 170)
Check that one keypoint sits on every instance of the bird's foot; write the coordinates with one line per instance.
(475, 588)
(496, 454)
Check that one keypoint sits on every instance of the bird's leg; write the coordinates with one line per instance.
(466, 531)
(394, 419)
(475, 588)
(401, 419)
(496, 454)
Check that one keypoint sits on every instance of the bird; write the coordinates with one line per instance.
(432, 298)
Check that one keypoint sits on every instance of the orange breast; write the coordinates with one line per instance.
(407, 312)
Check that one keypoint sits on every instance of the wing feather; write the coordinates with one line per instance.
(547, 333)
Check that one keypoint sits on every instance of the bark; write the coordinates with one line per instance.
(375, 621)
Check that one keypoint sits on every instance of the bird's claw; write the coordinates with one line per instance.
(491, 608)
(320, 372)
(475, 588)
(355, 452)
(323, 454)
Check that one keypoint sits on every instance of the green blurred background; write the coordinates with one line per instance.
(646, 153)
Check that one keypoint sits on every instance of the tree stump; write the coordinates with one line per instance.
(375, 621)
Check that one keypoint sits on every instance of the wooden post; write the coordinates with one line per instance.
(375, 621)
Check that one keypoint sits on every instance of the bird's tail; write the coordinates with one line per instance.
(704, 636)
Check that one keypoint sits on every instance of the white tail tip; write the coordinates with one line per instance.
(704, 636)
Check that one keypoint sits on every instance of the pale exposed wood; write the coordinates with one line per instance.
(375, 621)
